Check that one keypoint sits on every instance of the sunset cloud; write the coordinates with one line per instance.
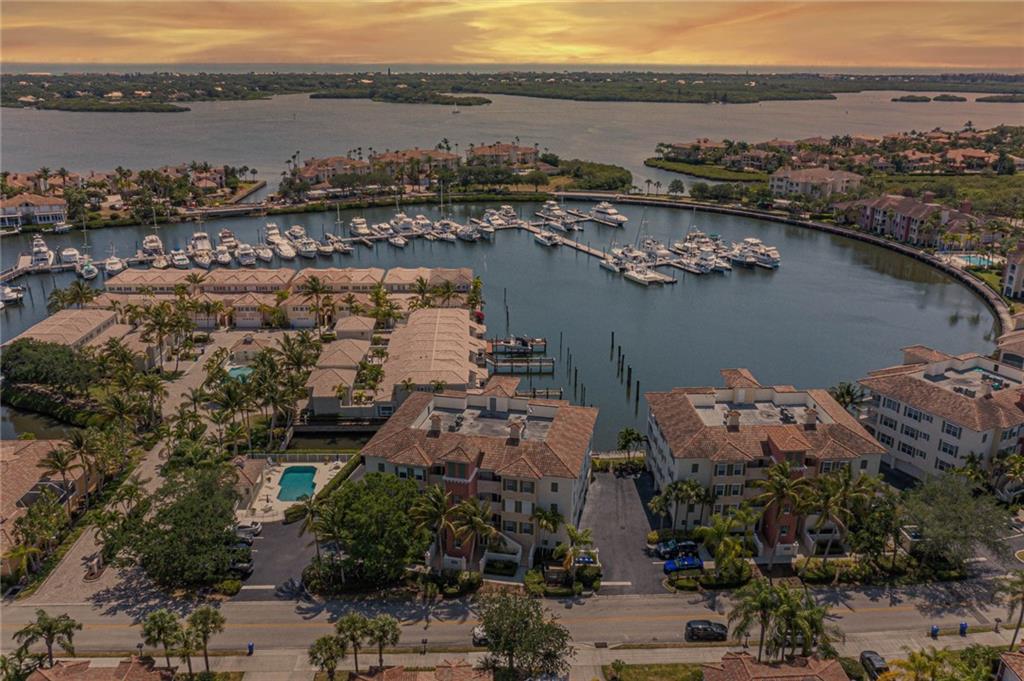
(869, 34)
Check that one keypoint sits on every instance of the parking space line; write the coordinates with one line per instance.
(258, 587)
(604, 583)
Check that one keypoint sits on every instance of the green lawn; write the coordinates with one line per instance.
(657, 672)
(708, 172)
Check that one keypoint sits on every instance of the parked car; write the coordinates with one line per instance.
(706, 630)
(479, 636)
(241, 568)
(683, 563)
(667, 549)
(246, 539)
(873, 663)
(687, 548)
(249, 527)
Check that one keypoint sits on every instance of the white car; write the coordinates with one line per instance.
(479, 636)
(249, 527)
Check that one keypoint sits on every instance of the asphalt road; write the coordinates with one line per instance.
(279, 555)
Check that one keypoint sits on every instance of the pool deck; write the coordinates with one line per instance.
(266, 507)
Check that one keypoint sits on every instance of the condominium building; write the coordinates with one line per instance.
(32, 209)
(904, 218)
(727, 438)
(812, 182)
(502, 153)
(935, 411)
(513, 453)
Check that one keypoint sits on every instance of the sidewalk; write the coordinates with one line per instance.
(291, 664)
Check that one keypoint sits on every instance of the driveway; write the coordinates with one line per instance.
(278, 555)
(616, 515)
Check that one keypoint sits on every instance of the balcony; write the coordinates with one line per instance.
(488, 486)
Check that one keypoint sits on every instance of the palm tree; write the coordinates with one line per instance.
(206, 621)
(579, 544)
(383, 631)
(847, 394)
(1012, 587)
(755, 602)
(683, 492)
(21, 557)
(19, 664)
(433, 512)
(61, 462)
(781, 491)
(728, 552)
(314, 289)
(423, 291)
(310, 508)
(918, 665)
(446, 292)
(353, 627)
(188, 644)
(438, 386)
(471, 519)
(658, 505)
(59, 630)
(326, 652)
(628, 440)
(547, 520)
(161, 627)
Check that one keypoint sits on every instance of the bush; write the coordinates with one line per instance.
(201, 338)
(853, 668)
(726, 581)
(630, 467)
(683, 583)
(657, 536)
(534, 582)
(228, 587)
(601, 465)
(577, 588)
(469, 581)
(588, 575)
(504, 568)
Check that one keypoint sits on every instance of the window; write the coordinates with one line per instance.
(784, 531)
(457, 470)
(509, 526)
(736, 490)
(526, 487)
(690, 508)
(519, 506)
(554, 508)
(887, 421)
(721, 468)
(380, 468)
(909, 432)
(786, 509)
(736, 469)
(942, 465)
(948, 448)
(863, 464)
(719, 490)
(526, 528)
(912, 413)
(554, 487)
(885, 439)
(695, 468)
(892, 405)
(510, 486)
(718, 509)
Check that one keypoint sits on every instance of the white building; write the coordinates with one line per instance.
(935, 411)
(812, 182)
(32, 209)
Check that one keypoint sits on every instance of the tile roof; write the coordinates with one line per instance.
(20, 200)
(560, 454)
(19, 473)
(434, 344)
(501, 385)
(69, 327)
(355, 323)
(343, 354)
(1014, 661)
(325, 382)
(743, 667)
(739, 378)
(126, 670)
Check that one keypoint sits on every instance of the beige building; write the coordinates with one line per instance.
(812, 182)
(355, 327)
(512, 452)
(32, 209)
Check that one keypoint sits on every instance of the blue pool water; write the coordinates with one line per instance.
(240, 373)
(977, 260)
(297, 481)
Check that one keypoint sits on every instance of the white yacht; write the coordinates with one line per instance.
(179, 259)
(227, 238)
(272, 232)
(325, 248)
(338, 244)
(246, 255)
(11, 294)
(468, 233)
(296, 232)
(201, 242)
(446, 236)
(422, 222)
(284, 250)
(42, 256)
(641, 275)
(358, 227)
(263, 253)
(160, 262)
(607, 211)
(306, 247)
(613, 263)
(222, 255)
(114, 264)
(152, 245)
(551, 209)
(398, 241)
(70, 256)
(61, 228)
(203, 259)
(87, 270)
(547, 238)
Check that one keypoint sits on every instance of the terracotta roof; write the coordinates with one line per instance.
(19, 473)
(739, 378)
(560, 454)
(815, 174)
(435, 344)
(343, 354)
(69, 327)
(448, 670)
(355, 323)
(913, 354)
(126, 670)
(325, 382)
(30, 200)
(743, 667)
(501, 385)
(1014, 662)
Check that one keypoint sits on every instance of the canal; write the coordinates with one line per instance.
(835, 309)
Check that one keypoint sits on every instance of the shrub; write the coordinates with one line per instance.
(683, 583)
(228, 587)
(534, 582)
(601, 465)
(726, 581)
(588, 575)
(504, 568)
(577, 588)
(657, 536)
(630, 467)
(469, 581)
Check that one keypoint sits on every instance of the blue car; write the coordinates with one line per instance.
(683, 563)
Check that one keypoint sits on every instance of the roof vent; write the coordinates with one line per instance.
(810, 418)
(435, 424)
(515, 431)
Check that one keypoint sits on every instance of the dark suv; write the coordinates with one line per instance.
(706, 630)
(873, 663)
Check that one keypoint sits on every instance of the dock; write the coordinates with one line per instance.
(520, 365)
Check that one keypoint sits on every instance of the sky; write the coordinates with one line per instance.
(879, 34)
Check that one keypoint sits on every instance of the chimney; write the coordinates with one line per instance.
(435, 424)
(811, 419)
(732, 420)
(927, 197)
(515, 430)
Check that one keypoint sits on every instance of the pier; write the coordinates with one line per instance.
(521, 365)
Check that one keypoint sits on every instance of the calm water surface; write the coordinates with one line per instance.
(834, 310)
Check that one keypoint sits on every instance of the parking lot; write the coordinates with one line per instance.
(278, 555)
(616, 514)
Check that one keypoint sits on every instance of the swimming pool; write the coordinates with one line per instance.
(975, 260)
(240, 373)
(297, 481)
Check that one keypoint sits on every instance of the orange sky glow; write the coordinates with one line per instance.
(964, 34)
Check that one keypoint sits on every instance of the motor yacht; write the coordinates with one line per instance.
(179, 259)
(152, 245)
(10, 295)
(160, 262)
(284, 250)
(264, 253)
(468, 233)
(422, 222)
(227, 238)
(42, 256)
(296, 232)
(114, 264)
(70, 256)
(222, 256)
(641, 275)
(358, 227)
(607, 211)
(339, 245)
(203, 259)
(61, 228)
(306, 247)
(398, 241)
(547, 238)
(201, 242)
(87, 270)
(325, 248)
(246, 255)
(612, 263)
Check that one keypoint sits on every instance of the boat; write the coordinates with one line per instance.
(607, 211)
(87, 270)
(160, 262)
(422, 222)
(152, 245)
(114, 264)
(547, 238)
(200, 241)
(203, 259)
(741, 256)
(306, 247)
(222, 255)
(284, 250)
(358, 227)
(227, 238)
(61, 228)
(639, 274)
(468, 233)
(398, 241)
(263, 253)
(551, 209)
(296, 232)
(325, 248)
(612, 263)
(10, 295)
(246, 255)
(271, 230)
(486, 230)
(446, 236)
(70, 256)
(42, 256)
(179, 259)
(339, 244)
